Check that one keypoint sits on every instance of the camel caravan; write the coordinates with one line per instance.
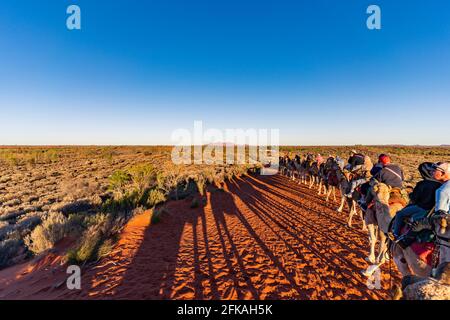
(407, 225)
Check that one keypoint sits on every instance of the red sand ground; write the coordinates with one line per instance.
(261, 238)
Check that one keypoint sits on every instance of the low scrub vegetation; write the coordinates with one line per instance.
(89, 193)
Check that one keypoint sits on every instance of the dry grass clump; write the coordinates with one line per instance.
(45, 235)
(96, 239)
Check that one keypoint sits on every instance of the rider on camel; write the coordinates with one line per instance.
(441, 173)
(357, 167)
(391, 174)
(422, 200)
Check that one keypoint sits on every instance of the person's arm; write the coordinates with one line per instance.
(443, 199)
(379, 175)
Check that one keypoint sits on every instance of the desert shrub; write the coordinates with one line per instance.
(126, 203)
(88, 247)
(44, 236)
(209, 174)
(76, 224)
(8, 250)
(105, 248)
(97, 240)
(168, 181)
(155, 197)
(118, 182)
(107, 154)
(29, 221)
(200, 181)
(142, 176)
(219, 177)
(79, 188)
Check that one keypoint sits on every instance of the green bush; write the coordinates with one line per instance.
(142, 176)
(119, 181)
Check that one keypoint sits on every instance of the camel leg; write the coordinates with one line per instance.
(330, 189)
(341, 207)
(383, 247)
(320, 188)
(364, 225)
(311, 183)
(352, 212)
(381, 257)
(373, 242)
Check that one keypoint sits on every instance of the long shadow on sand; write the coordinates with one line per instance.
(202, 253)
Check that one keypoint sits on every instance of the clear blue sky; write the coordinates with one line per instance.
(140, 69)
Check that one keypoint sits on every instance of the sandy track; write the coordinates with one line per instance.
(261, 238)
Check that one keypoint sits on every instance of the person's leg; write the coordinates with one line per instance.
(419, 214)
(354, 185)
(400, 218)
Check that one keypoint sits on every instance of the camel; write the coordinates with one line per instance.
(322, 183)
(344, 185)
(312, 171)
(387, 204)
(303, 171)
(294, 168)
(283, 165)
(328, 179)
